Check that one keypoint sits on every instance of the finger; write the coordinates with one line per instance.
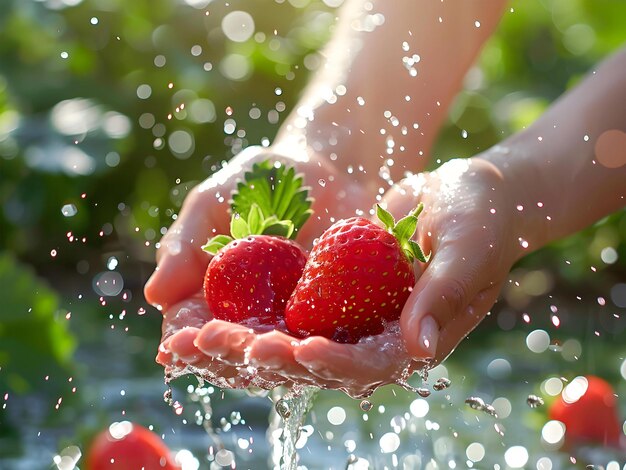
(352, 367)
(181, 260)
(229, 342)
(456, 331)
(192, 312)
(445, 289)
(182, 345)
(164, 355)
(273, 352)
(402, 197)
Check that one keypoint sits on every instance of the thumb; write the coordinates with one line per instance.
(448, 301)
(180, 260)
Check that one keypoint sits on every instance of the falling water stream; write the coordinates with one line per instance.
(288, 417)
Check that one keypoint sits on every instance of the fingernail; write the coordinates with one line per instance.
(429, 335)
(164, 355)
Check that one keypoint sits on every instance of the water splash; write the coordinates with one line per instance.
(441, 384)
(288, 418)
(201, 395)
(366, 405)
(534, 401)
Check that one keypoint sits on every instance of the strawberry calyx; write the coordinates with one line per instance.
(271, 200)
(403, 230)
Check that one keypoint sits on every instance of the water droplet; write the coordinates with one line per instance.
(534, 401)
(238, 26)
(475, 403)
(167, 396)
(366, 405)
(441, 384)
(464, 134)
(112, 263)
(69, 210)
(282, 408)
(322, 182)
(423, 392)
(490, 410)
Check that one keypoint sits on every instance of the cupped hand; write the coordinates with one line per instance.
(467, 225)
(231, 355)
(471, 227)
(181, 262)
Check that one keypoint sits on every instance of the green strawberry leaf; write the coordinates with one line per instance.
(269, 200)
(416, 252)
(216, 243)
(255, 219)
(239, 227)
(418, 210)
(405, 228)
(277, 191)
(385, 217)
(281, 228)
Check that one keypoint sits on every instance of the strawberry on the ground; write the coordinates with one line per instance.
(129, 446)
(592, 417)
(358, 276)
(254, 272)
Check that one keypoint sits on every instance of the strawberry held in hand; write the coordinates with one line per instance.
(254, 272)
(358, 276)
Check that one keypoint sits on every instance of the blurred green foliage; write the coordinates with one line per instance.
(30, 307)
(120, 107)
(126, 104)
(35, 342)
(115, 109)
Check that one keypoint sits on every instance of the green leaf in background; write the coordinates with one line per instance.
(34, 338)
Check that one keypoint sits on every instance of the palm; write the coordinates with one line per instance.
(192, 339)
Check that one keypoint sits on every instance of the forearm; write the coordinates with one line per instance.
(569, 167)
(388, 76)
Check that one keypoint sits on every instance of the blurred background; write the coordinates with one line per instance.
(110, 111)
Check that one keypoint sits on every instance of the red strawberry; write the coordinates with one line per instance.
(358, 276)
(588, 409)
(129, 446)
(251, 277)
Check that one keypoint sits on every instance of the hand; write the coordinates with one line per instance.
(225, 353)
(470, 226)
(181, 262)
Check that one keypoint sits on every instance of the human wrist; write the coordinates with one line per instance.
(522, 180)
(331, 145)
